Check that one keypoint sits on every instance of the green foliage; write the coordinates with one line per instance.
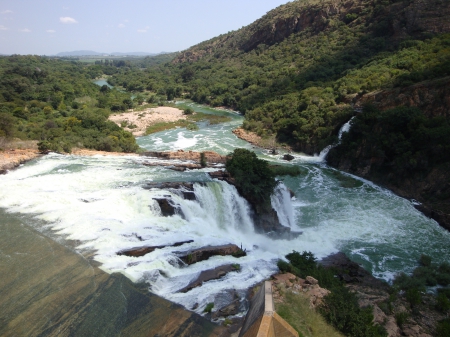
(425, 260)
(203, 162)
(6, 125)
(308, 323)
(442, 302)
(443, 328)
(405, 142)
(56, 103)
(188, 111)
(282, 170)
(209, 307)
(401, 318)
(342, 311)
(295, 85)
(340, 307)
(427, 274)
(253, 177)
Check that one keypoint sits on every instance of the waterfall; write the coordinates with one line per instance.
(281, 202)
(345, 128)
(222, 204)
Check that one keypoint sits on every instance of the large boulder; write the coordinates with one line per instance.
(204, 253)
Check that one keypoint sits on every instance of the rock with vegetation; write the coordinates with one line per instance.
(204, 253)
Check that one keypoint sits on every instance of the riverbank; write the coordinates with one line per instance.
(12, 158)
(137, 122)
(265, 143)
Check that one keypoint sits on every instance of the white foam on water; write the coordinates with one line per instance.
(100, 202)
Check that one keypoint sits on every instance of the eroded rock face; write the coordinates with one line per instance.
(168, 208)
(309, 287)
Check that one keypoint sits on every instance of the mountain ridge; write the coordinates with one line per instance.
(94, 53)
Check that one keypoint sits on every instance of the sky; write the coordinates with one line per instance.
(47, 27)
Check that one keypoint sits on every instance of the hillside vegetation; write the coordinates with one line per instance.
(55, 102)
(295, 71)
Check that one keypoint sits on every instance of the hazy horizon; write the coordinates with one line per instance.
(50, 27)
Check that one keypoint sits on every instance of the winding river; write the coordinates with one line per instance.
(98, 204)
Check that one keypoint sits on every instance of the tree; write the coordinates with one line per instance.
(253, 177)
(6, 125)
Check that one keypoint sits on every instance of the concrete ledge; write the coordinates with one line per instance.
(262, 320)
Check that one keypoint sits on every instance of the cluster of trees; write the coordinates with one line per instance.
(402, 142)
(253, 177)
(55, 102)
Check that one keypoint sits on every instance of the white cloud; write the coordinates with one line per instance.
(142, 30)
(67, 19)
(3, 27)
(121, 25)
(6, 12)
(50, 31)
(25, 30)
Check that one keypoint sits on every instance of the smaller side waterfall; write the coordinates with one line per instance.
(345, 128)
(281, 202)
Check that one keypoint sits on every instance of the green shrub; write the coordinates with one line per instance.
(208, 307)
(401, 318)
(442, 303)
(253, 178)
(188, 111)
(443, 328)
(282, 170)
(425, 260)
(203, 162)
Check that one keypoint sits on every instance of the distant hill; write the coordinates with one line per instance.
(94, 53)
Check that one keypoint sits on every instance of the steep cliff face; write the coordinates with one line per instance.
(432, 97)
(400, 19)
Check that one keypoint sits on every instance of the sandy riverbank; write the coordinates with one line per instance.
(265, 143)
(143, 119)
(12, 158)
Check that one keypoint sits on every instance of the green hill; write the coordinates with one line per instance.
(295, 71)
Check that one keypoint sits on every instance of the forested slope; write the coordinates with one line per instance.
(296, 71)
(55, 102)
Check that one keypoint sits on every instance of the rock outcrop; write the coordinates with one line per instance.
(309, 287)
(210, 156)
(204, 253)
(141, 251)
(209, 275)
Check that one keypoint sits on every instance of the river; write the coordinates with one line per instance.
(98, 205)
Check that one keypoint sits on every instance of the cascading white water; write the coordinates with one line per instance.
(99, 203)
(345, 128)
(281, 203)
(221, 202)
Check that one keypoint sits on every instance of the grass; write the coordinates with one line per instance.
(307, 322)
